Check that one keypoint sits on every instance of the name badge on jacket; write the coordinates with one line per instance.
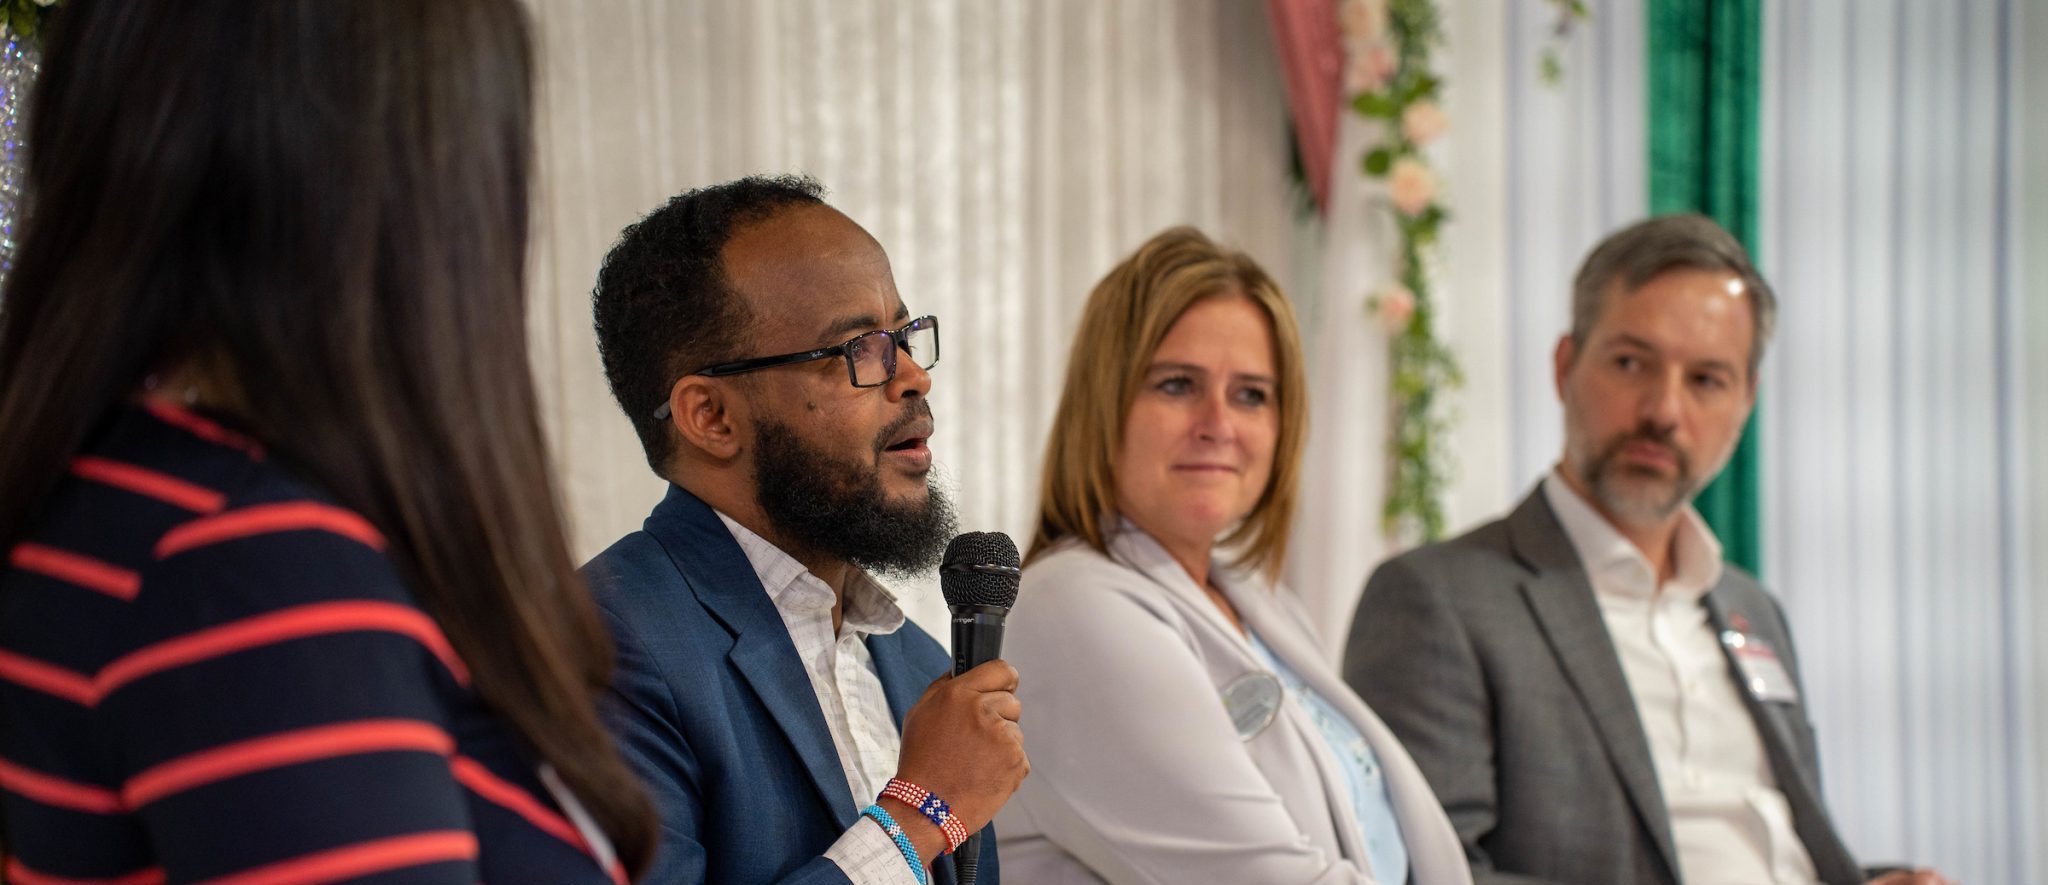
(1763, 674)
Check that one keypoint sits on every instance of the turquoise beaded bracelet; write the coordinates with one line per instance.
(895, 831)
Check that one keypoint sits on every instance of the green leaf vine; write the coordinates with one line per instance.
(1392, 82)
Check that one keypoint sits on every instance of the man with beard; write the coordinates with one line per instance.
(791, 724)
(1594, 695)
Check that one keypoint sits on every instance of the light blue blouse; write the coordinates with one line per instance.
(1362, 772)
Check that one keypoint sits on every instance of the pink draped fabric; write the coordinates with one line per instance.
(1312, 54)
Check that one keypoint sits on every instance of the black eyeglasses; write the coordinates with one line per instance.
(870, 356)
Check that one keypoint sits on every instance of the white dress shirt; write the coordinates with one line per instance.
(849, 691)
(1729, 821)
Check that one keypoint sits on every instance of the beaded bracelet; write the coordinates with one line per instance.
(930, 806)
(902, 839)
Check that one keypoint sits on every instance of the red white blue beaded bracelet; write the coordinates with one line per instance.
(932, 807)
(902, 840)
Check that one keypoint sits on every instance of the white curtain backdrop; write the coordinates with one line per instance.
(1534, 175)
(1896, 482)
(1576, 170)
(1473, 264)
(1337, 534)
(2028, 138)
(1006, 154)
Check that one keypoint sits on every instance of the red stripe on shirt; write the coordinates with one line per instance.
(48, 678)
(204, 428)
(57, 791)
(298, 622)
(144, 481)
(73, 568)
(480, 780)
(20, 874)
(283, 749)
(262, 519)
(360, 859)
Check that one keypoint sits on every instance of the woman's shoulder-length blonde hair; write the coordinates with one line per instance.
(1127, 316)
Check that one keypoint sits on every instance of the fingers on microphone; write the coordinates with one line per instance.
(1023, 769)
(996, 675)
(1004, 704)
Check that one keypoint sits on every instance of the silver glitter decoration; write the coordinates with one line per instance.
(20, 61)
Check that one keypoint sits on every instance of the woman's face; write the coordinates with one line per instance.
(1198, 442)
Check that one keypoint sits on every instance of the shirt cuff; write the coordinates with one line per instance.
(868, 856)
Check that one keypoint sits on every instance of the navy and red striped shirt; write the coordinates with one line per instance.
(211, 673)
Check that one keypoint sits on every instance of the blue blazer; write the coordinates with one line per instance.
(714, 711)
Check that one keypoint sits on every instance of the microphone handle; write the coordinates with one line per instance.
(977, 639)
(967, 861)
(977, 635)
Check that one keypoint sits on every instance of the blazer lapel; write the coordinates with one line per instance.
(1561, 597)
(901, 683)
(1831, 859)
(1135, 548)
(1434, 853)
(1291, 645)
(718, 571)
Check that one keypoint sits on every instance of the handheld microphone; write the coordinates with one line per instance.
(979, 580)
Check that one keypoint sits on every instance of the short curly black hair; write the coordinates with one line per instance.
(663, 304)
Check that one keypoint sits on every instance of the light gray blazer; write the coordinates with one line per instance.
(1138, 775)
(1490, 658)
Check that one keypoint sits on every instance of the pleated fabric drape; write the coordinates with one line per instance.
(1897, 484)
(1005, 153)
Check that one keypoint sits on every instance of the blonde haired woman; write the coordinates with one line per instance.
(1185, 727)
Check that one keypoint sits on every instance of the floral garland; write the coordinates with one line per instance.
(1389, 77)
(24, 18)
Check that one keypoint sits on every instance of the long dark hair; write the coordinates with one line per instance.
(324, 203)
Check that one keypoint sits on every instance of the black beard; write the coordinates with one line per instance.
(827, 505)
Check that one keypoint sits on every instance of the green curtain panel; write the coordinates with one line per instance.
(1705, 86)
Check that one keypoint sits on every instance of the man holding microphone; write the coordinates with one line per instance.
(781, 708)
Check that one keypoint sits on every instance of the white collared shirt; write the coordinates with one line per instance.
(1729, 821)
(848, 687)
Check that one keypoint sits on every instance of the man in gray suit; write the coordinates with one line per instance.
(1594, 695)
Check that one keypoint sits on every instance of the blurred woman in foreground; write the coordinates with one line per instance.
(1185, 726)
(286, 596)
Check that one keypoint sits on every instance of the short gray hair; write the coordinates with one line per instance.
(1637, 254)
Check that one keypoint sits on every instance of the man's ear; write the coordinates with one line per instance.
(1561, 360)
(707, 415)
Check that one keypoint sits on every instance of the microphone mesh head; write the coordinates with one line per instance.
(980, 569)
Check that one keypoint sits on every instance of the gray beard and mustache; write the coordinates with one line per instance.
(837, 507)
(1634, 496)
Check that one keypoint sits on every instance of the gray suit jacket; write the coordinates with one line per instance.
(1488, 656)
